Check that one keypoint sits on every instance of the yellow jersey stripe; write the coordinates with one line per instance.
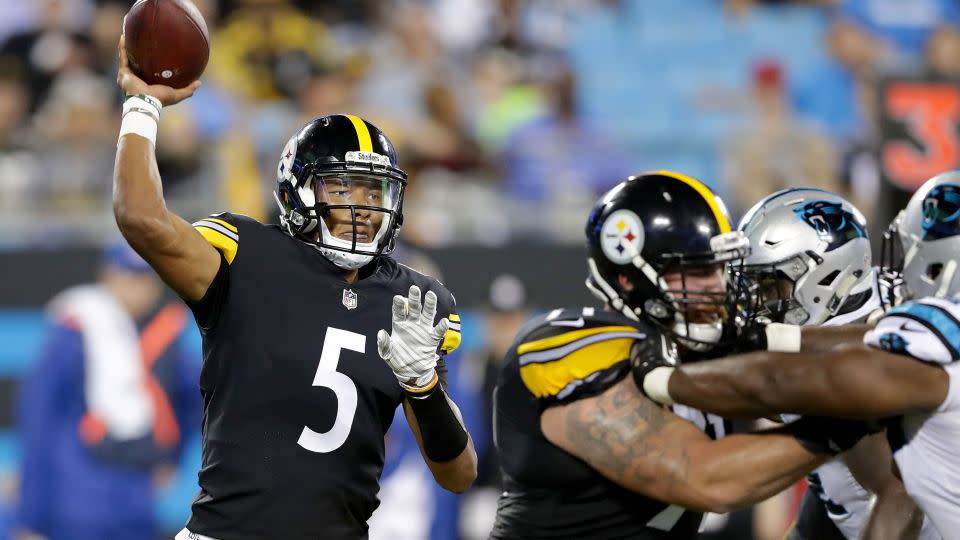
(363, 134)
(569, 337)
(719, 212)
(454, 317)
(221, 222)
(222, 242)
(450, 341)
(549, 379)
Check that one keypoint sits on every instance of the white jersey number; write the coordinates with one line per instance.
(343, 387)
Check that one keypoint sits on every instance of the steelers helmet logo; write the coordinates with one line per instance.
(285, 167)
(621, 237)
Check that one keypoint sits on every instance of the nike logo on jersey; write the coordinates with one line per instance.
(905, 327)
(575, 324)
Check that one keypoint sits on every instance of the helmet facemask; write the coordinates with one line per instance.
(351, 217)
(696, 318)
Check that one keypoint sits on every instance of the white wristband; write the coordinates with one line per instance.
(141, 116)
(655, 385)
(138, 123)
(783, 337)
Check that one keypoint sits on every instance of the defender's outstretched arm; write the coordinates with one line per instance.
(849, 382)
(645, 448)
(179, 254)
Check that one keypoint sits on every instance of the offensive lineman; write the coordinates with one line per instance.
(583, 453)
(907, 366)
(296, 400)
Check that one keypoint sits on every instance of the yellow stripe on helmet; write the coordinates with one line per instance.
(719, 212)
(363, 134)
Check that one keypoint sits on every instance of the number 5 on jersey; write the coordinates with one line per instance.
(343, 387)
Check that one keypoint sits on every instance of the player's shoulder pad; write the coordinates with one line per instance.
(222, 230)
(927, 329)
(564, 350)
(446, 303)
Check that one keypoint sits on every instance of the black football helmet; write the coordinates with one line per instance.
(340, 172)
(654, 223)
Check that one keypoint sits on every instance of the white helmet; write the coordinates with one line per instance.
(928, 230)
(810, 254)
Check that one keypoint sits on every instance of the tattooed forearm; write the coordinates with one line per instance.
(632, 441)
(622, 431)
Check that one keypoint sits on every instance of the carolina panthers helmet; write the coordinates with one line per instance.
(649, 225)
(810, 255)
(340, 188)
(928, 231)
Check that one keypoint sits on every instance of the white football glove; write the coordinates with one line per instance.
(411, 349)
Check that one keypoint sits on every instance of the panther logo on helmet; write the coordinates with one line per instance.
(941, 212)
(832, 221)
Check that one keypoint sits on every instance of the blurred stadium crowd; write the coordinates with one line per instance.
(511, 116)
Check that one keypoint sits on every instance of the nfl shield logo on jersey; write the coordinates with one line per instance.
(349, 299)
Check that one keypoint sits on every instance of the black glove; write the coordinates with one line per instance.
(824, 435)
(649, 354)
(752, 337)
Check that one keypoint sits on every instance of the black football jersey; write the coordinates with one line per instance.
(565, 355)
(296, 397)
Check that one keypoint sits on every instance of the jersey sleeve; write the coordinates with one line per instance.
(927, 329)
(447, 307)
(223, 233)
(561, 362)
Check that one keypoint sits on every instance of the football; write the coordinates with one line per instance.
(167, 41)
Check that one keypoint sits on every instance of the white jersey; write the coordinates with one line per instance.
(925, 445)
(846, 501)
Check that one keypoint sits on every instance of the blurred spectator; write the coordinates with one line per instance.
(50, 48)
(18, 164)
(265, 49)
(560, 162)
(102, 412)
(838, 96)
(503, 99)
(943, 52)
(902, 26)
(776, 151)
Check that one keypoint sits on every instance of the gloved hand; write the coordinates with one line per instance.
(647, 356)
(411, 348)
(824, 435)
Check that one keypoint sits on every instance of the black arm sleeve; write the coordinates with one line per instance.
(207, 310)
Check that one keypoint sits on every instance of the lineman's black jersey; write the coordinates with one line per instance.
(296, 397)
(563, 356)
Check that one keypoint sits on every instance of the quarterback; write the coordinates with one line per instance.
(301, 377)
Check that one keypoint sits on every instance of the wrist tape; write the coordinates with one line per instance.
(141, 116)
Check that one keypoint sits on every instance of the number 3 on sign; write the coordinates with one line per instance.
(343, 387)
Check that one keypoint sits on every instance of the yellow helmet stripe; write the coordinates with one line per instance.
(363, 134)
(712, 200)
